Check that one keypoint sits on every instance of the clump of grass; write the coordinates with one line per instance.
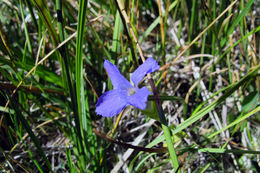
(51, 64)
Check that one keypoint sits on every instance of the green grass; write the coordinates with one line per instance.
(51, 71)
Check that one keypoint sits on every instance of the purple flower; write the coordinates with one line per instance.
(123, 94)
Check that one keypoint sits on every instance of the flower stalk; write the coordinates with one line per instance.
(165, 127)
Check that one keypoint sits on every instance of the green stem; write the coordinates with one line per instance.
(171, 149)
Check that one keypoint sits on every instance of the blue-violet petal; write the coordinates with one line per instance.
(118, 81)
(149, 66)
(111, 103)
(140, 98)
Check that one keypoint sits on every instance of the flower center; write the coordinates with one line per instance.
(130, 91)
